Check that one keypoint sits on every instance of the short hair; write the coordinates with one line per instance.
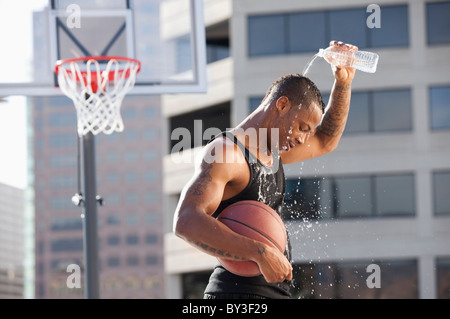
(298, 89)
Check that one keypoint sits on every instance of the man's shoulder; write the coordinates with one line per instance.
(222, 151)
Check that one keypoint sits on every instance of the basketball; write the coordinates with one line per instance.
(257, 221)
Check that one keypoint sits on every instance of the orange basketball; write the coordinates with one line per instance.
(255, 220)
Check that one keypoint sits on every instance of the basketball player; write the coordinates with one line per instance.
(234, 167)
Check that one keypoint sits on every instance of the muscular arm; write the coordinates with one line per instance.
(193, 221)
(330, 130)
(325, 138)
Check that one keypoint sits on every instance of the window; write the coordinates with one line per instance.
(375, 111)
(113, 220)
(359, 117)
(312, 40)
(349, 197)
(380, 111)
(132, 219)
(267, 35)
(308, 31)
(58, 224)
(438, 23)
(343, 26)
(394, 28)
(443, 277)
(217, 42)
(394, 195)
(441, 192)
(347, 280)
(113, 240)
(354, 196)
(63, 182)
(188, 130)
(254, 103)
(392, 110)
(131, 156)
(440, 107)
(69, 244)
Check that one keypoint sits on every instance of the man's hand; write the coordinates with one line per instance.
(342, 74)
(273, 264)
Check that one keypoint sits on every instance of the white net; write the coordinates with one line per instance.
(97, 91)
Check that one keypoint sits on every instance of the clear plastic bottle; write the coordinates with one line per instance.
(360, 60)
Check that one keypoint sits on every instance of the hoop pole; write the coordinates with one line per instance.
(88, 178)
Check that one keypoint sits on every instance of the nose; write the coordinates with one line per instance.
(301, 138)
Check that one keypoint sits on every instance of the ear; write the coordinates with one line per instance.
(283, 105)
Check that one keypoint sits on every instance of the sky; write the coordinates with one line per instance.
(15, 61)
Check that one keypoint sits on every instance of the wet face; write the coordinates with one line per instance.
(299, 123)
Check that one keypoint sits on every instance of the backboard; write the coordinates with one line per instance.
(167, 36)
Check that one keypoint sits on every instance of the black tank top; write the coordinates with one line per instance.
(266, 185)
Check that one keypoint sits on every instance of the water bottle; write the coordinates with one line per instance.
(360, 60)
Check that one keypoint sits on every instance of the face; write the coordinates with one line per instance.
(298, 124)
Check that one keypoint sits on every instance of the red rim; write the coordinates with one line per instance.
(60, 63)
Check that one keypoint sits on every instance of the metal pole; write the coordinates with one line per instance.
(89, 190)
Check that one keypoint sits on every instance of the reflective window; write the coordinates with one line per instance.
(349, 197)
(113, 240)
(354, 196)
(300, 32)
(443, 277)
(113, 220)
(66, 224)
(438, 23)
(315, 37)
(343, 26)
(440, 107)
(267, 35)
(349, 280)
(67, 244)
(394, 195)
(394, 28)
(359, 116)
(374, 111)
(392, 110)
(441, 192)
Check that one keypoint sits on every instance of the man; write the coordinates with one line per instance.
(235, 167)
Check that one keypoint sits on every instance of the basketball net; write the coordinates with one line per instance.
(97, 86)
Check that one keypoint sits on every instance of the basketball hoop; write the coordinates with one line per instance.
(97, 86)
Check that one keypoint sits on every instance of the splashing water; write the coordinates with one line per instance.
(308, 66)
